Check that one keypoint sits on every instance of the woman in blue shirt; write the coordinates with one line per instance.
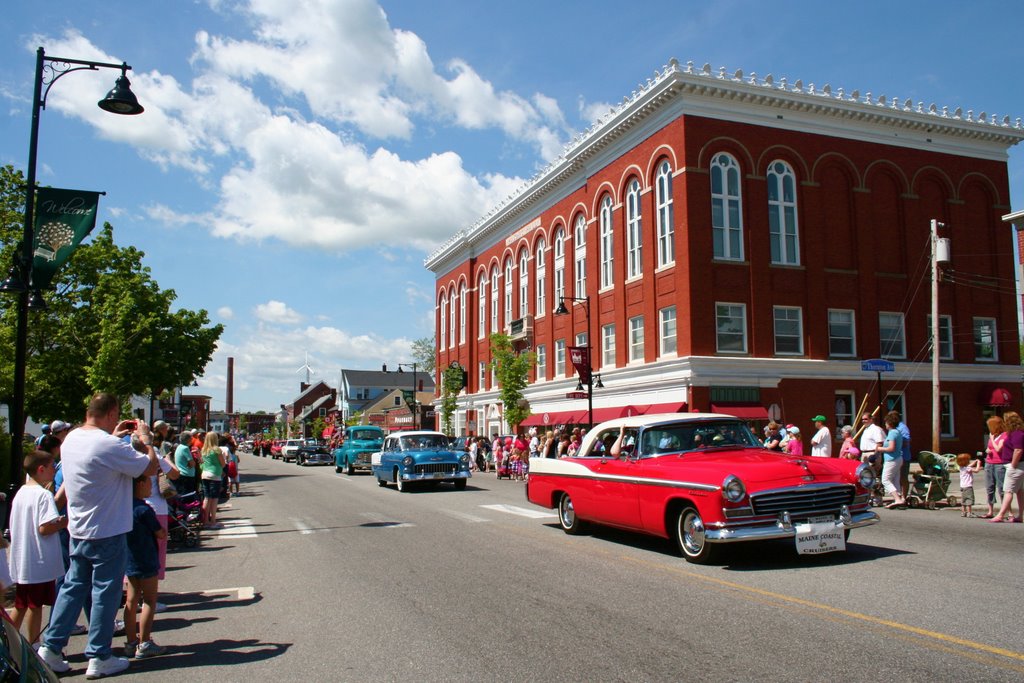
(892, 454)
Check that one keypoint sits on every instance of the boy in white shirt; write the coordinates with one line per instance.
(36, 560)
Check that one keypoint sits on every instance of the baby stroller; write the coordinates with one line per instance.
(930, 486)
(184, 519)
(504, 468)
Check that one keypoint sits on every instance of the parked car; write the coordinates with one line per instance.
(17, 660)
(420, 456)
(275, 448)
(702, 480)
(313, 454)
(356, 451)
(289, 448)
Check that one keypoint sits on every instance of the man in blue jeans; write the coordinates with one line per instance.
(98, 471)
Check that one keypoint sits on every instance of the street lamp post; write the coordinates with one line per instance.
(562, 310)
(120, 100)
(415, 388)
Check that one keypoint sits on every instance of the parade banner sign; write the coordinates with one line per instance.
(580, 358)
(63, 219)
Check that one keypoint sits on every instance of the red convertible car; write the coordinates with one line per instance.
(703, 480)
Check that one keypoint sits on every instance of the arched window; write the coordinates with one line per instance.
(726, 208)
(666, 219)
(539, 260)
(481, 301)
(444, 321)
(494, 299)
(782, 222)
(559, 264)
(451, 321)
(508, 291)
(524, 283)
(607, 243)
(462, 314)
(634, 232)
(580, 262)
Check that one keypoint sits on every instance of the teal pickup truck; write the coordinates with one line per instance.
(361, 442)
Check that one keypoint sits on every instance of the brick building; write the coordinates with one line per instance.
(742, 244)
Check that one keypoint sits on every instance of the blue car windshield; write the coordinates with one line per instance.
(697, 436)
(364, 435)
(422, 442)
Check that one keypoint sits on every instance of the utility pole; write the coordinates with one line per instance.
(940, 252)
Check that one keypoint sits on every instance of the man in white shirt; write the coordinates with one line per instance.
(98, 467)
(821, 442)
(871, 438)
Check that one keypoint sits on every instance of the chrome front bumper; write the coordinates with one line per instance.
(784, 528)
(434, 476)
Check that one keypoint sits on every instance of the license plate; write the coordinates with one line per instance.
(438, 475)
(820, 538)
(821, 519)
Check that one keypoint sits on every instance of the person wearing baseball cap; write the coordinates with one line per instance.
(60, 429)
(821, 442)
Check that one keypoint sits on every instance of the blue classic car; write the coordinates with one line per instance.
(355, 452)
(420, 456)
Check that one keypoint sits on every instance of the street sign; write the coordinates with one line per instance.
(877, 365)
(576, 394)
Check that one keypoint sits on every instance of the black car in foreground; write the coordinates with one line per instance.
(313, 454)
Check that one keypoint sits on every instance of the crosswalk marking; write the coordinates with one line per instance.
(380, 520)
(302, 526)
(522, 512)
(465, 516)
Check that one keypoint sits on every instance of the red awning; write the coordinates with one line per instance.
(999, 398)
(675, 407)
(328, 432)
(550, 419)
(744, 411)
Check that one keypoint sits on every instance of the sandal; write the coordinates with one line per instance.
(996, 520)
(987, 515)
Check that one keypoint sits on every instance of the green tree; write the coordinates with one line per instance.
(424, 355)
(319, 425)
(451, 385)
(108, 326)
(512, 370)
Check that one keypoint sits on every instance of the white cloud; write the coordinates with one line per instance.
(276, 313)
(225, 313)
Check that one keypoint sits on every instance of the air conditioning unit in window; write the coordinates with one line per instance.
(521, 329)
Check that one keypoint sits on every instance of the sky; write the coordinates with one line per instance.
(298, 159)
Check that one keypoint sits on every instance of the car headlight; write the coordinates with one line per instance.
(408, 461)
(866, 475)
(733, 489)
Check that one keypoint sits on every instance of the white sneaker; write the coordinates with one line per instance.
(54, 660)
(98, 668)
(118, 627)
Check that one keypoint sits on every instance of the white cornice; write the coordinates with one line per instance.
(746, 99)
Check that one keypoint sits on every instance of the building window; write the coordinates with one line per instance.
(607, 244)
(726, 206)
(946, 421)
(843, 411)
(323, 412)
(945, 336)
(841, 333)
(789, 330)
(508, 292)
(895, 402)
(494, 299)
(542, 271)
(397, 400)
(559, 243)
(444, 322)
(634, 232)
(666, 219)
(731, 328)
(560, 358)
(581, 339)
(451, 322)
(580, 250)
(667, 328)
(482, 381)
(636, 338)
(608, 346)
(542, 362)
(891, 335)
(985, 339)
(481, 300)
(462, 314)
(524, 284)
(782, 224)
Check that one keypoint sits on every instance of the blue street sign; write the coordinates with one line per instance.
(877, 365)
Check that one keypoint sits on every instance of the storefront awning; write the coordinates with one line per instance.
(552, 418)
(675, 407)
(744, 411)
(999, 398)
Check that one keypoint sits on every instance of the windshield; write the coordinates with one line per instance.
(696, 436)
(424, 442)
(365, 435)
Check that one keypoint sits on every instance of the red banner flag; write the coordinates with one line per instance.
(579, 356)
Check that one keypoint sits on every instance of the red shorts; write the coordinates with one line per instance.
(35, 595)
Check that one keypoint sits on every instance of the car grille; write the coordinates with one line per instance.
(802, 502)
(363, 458)
(435, 467)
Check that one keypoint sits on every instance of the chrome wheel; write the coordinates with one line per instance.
(398, 481)
(567, 518)
(691, 537)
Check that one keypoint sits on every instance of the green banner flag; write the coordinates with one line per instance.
(409, 397)
(63, 219)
